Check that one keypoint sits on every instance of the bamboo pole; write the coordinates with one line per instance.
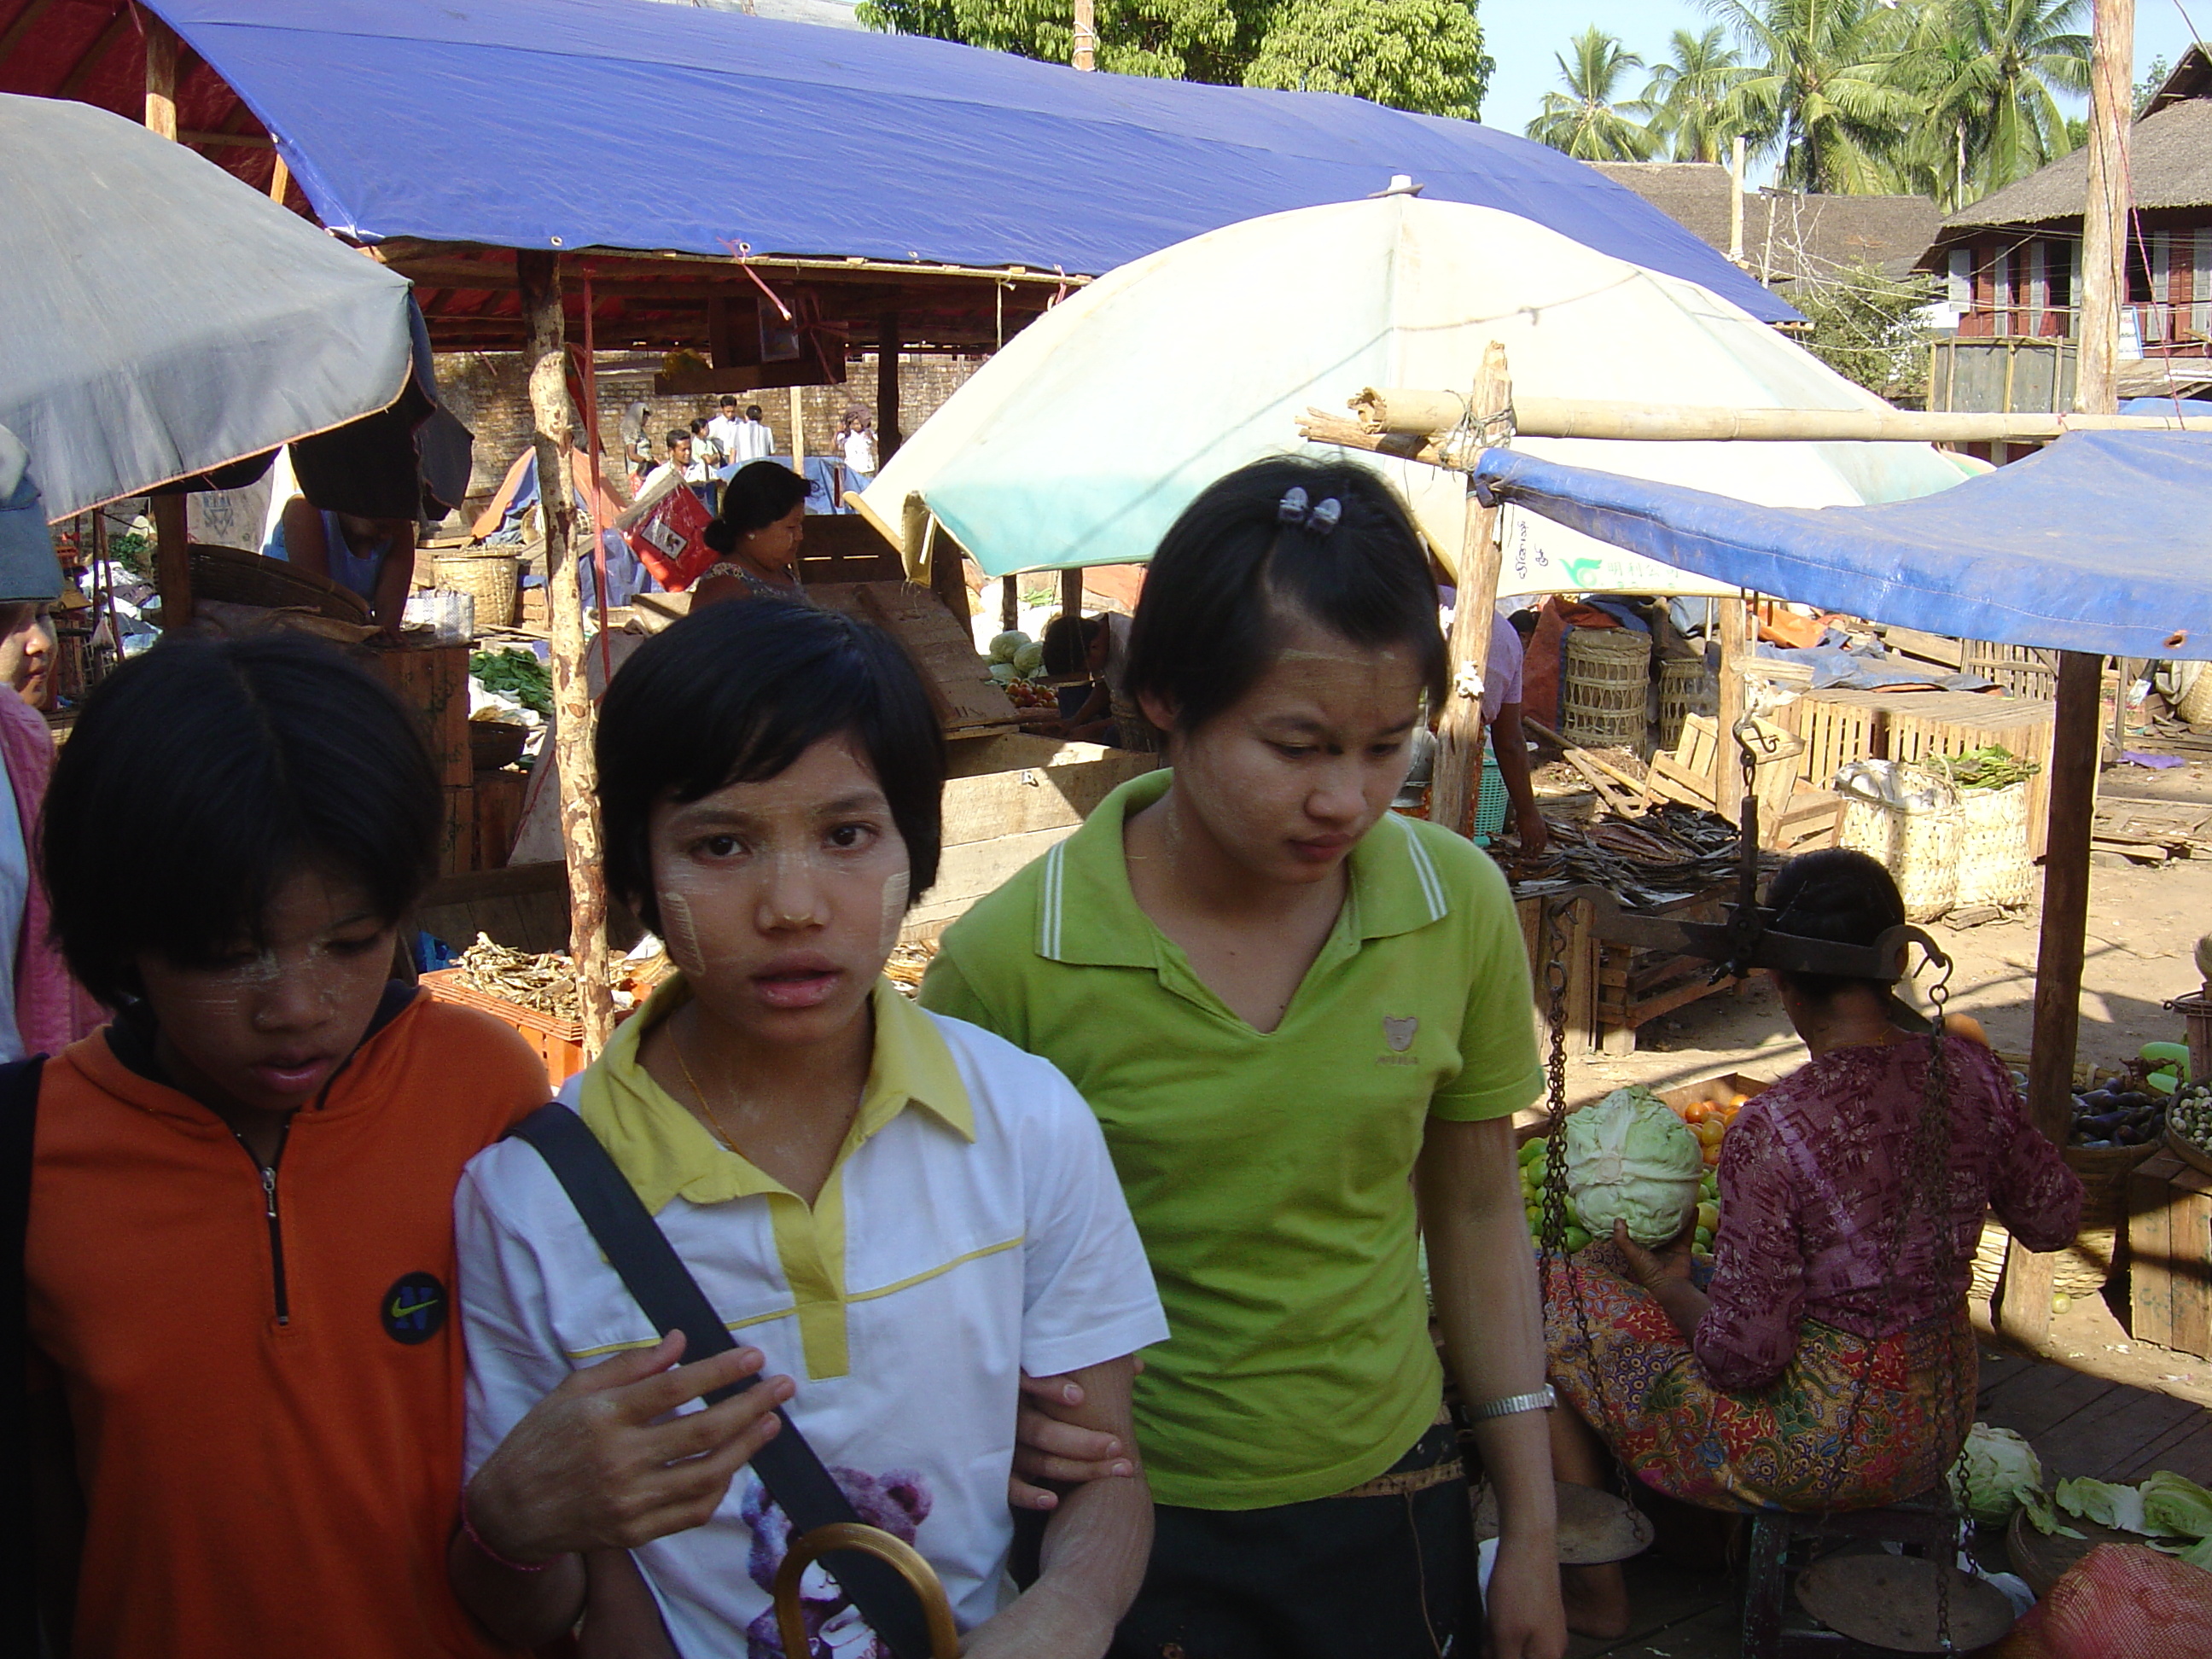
(1728, 759)
(280, 182)
(1085, 55)
(1010, 604)
(1735, 200)
(1433, 417)
(798, 430)
(1455, 786)
(2023, 1313)
(161, 77)
(538, 276)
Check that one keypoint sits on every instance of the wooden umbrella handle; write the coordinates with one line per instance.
(810, 1547)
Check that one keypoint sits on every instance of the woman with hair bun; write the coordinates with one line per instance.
(1829, 1364)
(757, 535)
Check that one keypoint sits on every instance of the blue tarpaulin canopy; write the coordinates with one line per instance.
(577, 123)
(2100, 542)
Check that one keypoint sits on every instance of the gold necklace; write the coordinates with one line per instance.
(713, 1123)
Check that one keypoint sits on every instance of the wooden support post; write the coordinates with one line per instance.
(1455, 784)
(888, 433)
(1084, 56)
(2104, 222)
(1728, 759)
(1735, 200)
(1070, 592)
(280, 182)
(172, 565)
(1010, 603)
(798, 430)
(2024, 1316)
(160, 77)
(546, 357)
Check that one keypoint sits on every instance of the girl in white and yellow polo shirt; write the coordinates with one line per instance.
(1305, 1025)
(899, 1213)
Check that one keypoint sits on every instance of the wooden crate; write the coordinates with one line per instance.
(1839, 726)
(2170, 1255)
(958, 679)
(500, 796)
(1637, 984)
(1580, 1013)
(2024, 671)
(558, 1042)
(1718, 1089)
(1007, 800)
(457, 831)
(433, 680)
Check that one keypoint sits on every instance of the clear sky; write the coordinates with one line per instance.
(1525, 36)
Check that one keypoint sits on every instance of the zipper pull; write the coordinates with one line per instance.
(269, 1190)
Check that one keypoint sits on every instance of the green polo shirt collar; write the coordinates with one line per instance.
(1087, 914)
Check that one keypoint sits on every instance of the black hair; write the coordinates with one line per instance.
(752, 411)
(757, 495)
(1838, 894)
(1230, 568)
(728, 401)
(202, 776)
(735, 694)
(698, 425)
(1067, 642)
(678, 435)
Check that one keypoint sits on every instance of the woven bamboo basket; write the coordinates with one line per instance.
(1920, 846)
(2196, 703)
(1994, 867)
(488, 575)
(1606, 688)
(240, 578)
(1682, 682)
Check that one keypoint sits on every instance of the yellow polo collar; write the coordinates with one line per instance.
(666, 1153)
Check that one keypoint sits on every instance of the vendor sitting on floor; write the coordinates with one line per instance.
(1829, 1365)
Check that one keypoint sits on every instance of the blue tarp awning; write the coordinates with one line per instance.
(578, 123)
(2101, 541)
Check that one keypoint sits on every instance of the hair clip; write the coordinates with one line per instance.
(1319, 520)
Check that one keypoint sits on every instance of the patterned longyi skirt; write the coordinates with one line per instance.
(1811, 1440)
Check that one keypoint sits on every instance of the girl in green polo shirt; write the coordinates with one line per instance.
(1305, 1024)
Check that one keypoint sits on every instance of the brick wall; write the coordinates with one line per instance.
(488, 390)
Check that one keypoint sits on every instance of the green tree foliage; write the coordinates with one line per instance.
(2154, 78)
(1589, 121)
(1822, 90)
(1424, 55)
(1988, 73)
(1866, 327)
(1690, 92)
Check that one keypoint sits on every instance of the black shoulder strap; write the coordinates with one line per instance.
(19, 1117)
(640, 1252)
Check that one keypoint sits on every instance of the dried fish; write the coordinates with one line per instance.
(1674, 853)
(545, 981)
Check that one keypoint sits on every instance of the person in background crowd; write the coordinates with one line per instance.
(27, 649)
(757, 534)
(680, 462)
(42, 1007)
(374, 558)
(751, 441)
(856, 447)
(724, 429)
(706, 448)
(1100, 646)
(1501, 719)
(1305, 1024)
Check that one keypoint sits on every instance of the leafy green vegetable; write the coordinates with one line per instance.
(1003, 645)
(519, 674)
(1630, 1158)
(1994, 1472)
(1990, 767)
(2107, 1505)
(2041, 1516)
(2176, 1505)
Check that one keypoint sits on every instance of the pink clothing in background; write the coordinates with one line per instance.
(1811, 1175)
(51, 1009)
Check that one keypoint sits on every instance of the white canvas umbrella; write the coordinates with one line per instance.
(162, 318)
(1080, 442)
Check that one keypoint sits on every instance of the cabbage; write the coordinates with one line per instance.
(1029, 660)
(1630, 1158)
(1003, 672)
(1003, 645)
(1993, 1473)
(2108, 1505)
(2176, 1506)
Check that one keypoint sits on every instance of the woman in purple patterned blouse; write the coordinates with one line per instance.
(1829, 1364)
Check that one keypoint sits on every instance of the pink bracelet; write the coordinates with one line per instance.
(469, 1530)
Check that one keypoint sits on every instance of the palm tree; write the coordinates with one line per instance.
(1689, 92)
(1824, 89)
(1988, 72)
(1586, 120)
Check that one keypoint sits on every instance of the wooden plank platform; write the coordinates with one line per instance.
(2082, 1425)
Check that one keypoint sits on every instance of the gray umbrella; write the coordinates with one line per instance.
(158, 319)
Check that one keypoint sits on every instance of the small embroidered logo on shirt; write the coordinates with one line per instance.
(414, 1308)
(1400, 1033)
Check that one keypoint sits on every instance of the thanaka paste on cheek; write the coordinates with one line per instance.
(683, 938)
